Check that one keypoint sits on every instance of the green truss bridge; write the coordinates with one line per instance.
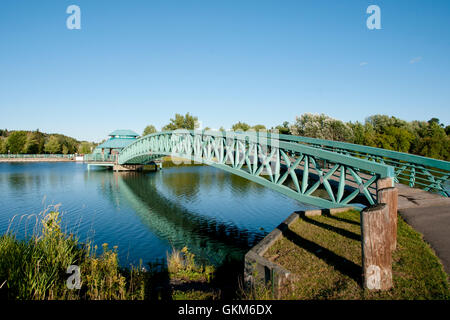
(323, 173)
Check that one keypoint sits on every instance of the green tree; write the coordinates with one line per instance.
(435, 121)
(53, 145)
(358, 130)
(31, 146)
(394, 138)
(390, 133)
(322, 127)
(259, 127)
(381, 121)
(432, 140)
(35, 143)
(16, 141)
(71, 145)
(149, 130)
(284, 128)
(240, 126)
(85, 147)
(2, 146)
(65, 149)
(188, 122)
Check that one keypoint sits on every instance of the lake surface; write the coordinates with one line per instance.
(215, 214)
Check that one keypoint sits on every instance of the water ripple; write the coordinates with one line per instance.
(214, 213)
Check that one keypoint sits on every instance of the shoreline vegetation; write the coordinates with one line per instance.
(35, 268)
(36, 142)
(424, 138)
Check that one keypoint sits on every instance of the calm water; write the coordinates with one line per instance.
(214, 213)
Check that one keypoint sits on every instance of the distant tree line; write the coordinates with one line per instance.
(36, 142)
(426, 138)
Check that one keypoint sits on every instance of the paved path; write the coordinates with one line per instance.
(430, 215)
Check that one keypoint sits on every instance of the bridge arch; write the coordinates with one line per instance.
(296, 170)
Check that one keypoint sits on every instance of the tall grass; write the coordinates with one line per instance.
(35, 268)
(181, 265)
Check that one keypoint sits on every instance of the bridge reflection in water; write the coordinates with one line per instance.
(166, 202)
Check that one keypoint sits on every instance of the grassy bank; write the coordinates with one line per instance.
(325, 254)
(35, 269)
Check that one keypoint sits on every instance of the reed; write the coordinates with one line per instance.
(181, 265)
(35, 268)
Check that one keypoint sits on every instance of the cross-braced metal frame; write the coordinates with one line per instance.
(415, 171)
(307, 174)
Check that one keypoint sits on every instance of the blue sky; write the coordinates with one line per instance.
(135, 63)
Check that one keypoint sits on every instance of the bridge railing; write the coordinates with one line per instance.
(98, 157)
(297, 170)
(36, 156)
(413, 170)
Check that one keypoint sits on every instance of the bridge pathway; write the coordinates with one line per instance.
(429, 214)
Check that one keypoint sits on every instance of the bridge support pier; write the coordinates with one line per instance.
(127, 167)
(156, 165)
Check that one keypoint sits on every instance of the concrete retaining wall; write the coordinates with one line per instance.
(260, 271)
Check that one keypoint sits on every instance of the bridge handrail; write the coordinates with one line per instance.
(401, 156)
(382, 169)
(413, 170)
(416, 171)
(98, 157)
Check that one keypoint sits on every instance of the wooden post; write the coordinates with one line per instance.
(385, 183)
(389, 196)
(375, 245)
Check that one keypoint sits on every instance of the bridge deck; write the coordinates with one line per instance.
(100, 164)
(418, 198)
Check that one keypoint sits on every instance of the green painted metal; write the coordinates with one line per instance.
(416, 171)
(124, 133)
(98, 157)
(115, 143)
(269, 161)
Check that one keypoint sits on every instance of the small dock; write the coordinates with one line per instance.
(124, 167)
